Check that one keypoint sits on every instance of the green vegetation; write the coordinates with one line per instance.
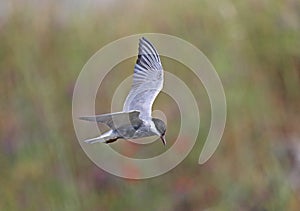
(255, 48)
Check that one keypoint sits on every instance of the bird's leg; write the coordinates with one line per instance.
(111, 140)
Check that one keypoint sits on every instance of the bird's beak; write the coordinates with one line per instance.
(163, 139)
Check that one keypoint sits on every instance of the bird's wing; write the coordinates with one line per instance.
(147, 80)
(116, 120)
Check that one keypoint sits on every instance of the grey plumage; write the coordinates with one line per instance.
(135, 120)
(115, 120)
(147, 80)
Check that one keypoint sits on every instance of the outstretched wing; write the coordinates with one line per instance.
(116, 120)
(147, 80)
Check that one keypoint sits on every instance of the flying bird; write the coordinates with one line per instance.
(135, 121)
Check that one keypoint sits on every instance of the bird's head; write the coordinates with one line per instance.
(161, 128)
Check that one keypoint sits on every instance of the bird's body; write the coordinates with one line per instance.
(135, 120)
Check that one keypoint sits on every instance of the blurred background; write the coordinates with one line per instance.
(255, 48)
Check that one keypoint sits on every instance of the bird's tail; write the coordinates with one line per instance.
(107, 137)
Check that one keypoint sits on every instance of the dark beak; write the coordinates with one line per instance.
(163, 139)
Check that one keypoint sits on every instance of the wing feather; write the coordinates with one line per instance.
(147, 80)
(116, 120)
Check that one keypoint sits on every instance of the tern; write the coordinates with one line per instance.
(135, 121)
